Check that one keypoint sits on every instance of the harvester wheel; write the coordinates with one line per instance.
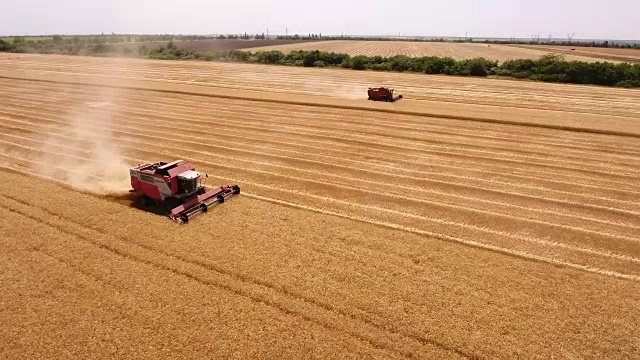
(204, 207)
(235, 189)
(146, 201)
(220, 199)
(184, 218)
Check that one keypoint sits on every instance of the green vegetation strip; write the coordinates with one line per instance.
(549, 68)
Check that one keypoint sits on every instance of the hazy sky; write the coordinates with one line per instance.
(612, 19)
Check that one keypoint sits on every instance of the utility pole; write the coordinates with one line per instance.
(286, 32)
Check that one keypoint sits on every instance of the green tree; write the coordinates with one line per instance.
(359, 62)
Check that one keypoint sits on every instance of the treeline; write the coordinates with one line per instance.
(550, 68)
(76, 45)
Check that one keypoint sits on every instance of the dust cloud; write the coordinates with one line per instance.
(83, 153)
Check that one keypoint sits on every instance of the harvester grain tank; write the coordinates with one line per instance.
(179, 186)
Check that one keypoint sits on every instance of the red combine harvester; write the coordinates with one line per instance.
(178, 186)
(382, 94)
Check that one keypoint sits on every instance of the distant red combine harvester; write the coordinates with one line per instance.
(178, 186)
(382, 94)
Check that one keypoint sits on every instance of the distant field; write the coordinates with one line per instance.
(624, 55)
(209, 45)
(459, 51)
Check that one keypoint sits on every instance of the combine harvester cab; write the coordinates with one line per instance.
(382, 94)
(178, 185)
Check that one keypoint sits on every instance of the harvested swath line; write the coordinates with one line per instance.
(465, 198)
(607, 180)
(386, 256)
(236, 109)
(283, 101)
(387, 134)
(586, 205)
(448, 238)
(328, 122)
(356, 188)
(509, 157)
(298, 159)
(182, 128)
(566, 237)
(477, 170)
(446, 222)
(491, 181)
(493, 248)
(182, 105)
(590, 205)
(439, 146)
(306, 140)
(357, 182)
(223, 112)
(218, 110)
(14, 113)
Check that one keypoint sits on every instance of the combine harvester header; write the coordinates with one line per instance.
(178, 185)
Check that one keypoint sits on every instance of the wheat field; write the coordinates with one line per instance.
(458, 51)
(476, 218)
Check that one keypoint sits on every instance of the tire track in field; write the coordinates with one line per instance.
(521, 238)
(395, 168)
(431, 203)
(438, 150)
(145, 101)
(242, 290)
(472, 243)
(340, 120)
(554, 174)
(174, 130)
(463, 177)
(615, 223)
(326, 118)
(430, 191)
(343, 107)
(446, 153)
(605, 200)
(438, 145)
(575, 204)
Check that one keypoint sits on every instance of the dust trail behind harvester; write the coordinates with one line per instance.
(86, 158)
(83, 153)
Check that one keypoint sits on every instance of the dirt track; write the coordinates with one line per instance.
(359, 232)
